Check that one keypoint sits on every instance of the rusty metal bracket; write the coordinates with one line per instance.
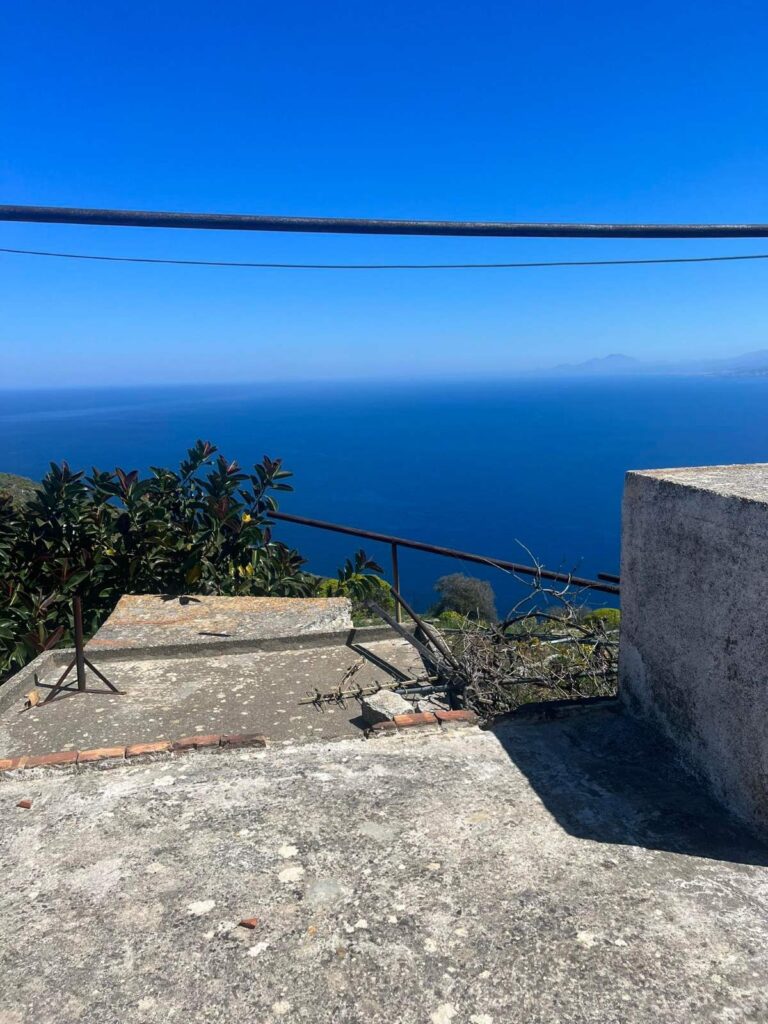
(61, 688)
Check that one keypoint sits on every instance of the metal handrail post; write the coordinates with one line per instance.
(396, 582)
(77, 608)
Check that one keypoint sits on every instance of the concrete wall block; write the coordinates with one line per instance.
(694, 642)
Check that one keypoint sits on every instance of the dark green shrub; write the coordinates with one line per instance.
(201, 529)
(466, 595)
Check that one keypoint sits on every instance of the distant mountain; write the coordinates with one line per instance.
(616, 363)
(747, 364)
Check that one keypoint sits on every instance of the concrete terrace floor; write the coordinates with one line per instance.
(566, 872)
(208, 691)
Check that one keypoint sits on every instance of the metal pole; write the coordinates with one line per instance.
(434, 549)
(396, 582)
(77, 607)
(367, 226)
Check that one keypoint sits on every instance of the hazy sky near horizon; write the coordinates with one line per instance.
(595, 111)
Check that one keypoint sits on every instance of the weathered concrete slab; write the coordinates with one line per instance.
(565, 873)
(694, 594)
(152, 620)
(167, 698)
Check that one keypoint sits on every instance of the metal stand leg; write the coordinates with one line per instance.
(63, 689)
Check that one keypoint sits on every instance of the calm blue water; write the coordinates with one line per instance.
(474, 466)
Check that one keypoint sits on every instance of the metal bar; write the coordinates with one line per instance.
(102, 677)
(86, 689)
(78, 662)
(379, 662)
(396, 582)
(58, 685)
(435, 640)
(401, 685)
(366, 226)
(429, 656)
(464, 556)
(77, 607)
(610, 577)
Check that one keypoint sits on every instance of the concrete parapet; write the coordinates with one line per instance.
(694, 589)
(147, 621)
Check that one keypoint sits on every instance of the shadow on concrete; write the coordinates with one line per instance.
(386, 666)
(606, 778)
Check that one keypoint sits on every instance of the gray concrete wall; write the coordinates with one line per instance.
(694, 637)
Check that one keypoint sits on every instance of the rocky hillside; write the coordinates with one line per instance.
(20, 488)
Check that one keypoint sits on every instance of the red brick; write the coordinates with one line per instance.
(156, 747)
(419, 718)
(25, 804)
(6, 764)
(19, 762)
(468, 717)
(194, 742)
(247, 739)
(249, 922)
(64, 757)
(185, 743)
(212, 740)
(100, 754)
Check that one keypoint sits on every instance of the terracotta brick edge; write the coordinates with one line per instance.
(139, 749)
(65, 757)
(466, 717)
(196, 742)
(439, 721)
(153, 749)
(418, 718)
(248, 739)
(442, 720)
(99, 754)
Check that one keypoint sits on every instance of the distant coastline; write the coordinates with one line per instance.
(748, 364)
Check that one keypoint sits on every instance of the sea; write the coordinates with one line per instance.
(511, 469)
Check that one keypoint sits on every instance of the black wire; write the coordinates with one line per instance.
(384, 266)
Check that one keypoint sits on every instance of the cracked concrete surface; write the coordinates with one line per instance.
(564, 873)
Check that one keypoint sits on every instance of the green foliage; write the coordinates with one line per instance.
(452, 620)
(357, 580)
(203, 529)
(609, 618)
(467, 595)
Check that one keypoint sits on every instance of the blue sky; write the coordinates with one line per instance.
(548, 111)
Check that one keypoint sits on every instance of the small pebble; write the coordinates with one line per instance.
(201, 907)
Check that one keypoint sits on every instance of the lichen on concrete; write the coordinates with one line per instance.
(204, 692)
(562, 873)
(145, 621)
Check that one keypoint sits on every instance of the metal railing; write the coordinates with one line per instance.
(606, 583)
